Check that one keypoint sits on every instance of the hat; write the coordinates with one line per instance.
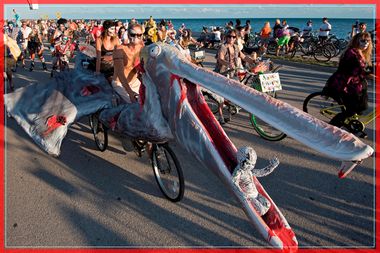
(309, 21)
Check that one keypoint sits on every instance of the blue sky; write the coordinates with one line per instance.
(194, 11)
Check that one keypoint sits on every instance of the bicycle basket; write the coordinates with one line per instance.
(263, 66)
(198, 55)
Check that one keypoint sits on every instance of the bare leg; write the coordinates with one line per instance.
(10, 80)
(220, 111)
(32, 56)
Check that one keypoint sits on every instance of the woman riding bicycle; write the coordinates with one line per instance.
(348, 84)
(105, 45)
(228, 58)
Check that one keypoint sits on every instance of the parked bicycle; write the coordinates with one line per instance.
(311, 46)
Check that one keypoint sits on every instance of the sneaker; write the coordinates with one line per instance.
(221, 121)
(31, 66)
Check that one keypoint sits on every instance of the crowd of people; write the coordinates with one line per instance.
(118, 46)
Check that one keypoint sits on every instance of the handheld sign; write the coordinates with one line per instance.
(270, 82)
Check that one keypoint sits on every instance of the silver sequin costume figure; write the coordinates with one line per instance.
(243, 178)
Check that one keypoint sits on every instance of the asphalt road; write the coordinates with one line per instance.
(86, 198)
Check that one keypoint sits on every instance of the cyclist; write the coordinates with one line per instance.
(126, 59)
(228, 57)
(125, 79)
(348, 85)
(105, 44)
(185, 40)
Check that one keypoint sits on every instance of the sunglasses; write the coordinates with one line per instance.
(365, 41)
(138, 35)
(230, 36)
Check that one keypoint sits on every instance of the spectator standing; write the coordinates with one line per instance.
(238, 23)
(25, 31)
(277, 25)
(96, 31)
(324, 30)
(362, 27)
(247, 29)
(217, 36)
(307, 30)
(283, 36)
(35, 46)
(265, 33)
(162, 32)
(17, 18)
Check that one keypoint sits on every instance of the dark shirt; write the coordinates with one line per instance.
(350, 75)
(276, 27)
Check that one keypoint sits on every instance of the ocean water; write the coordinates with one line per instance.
(340, 27)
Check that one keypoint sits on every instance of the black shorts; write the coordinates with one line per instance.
(34, 47)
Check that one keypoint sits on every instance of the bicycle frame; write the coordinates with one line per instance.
(330, 112)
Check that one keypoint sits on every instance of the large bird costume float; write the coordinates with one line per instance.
(171, 107)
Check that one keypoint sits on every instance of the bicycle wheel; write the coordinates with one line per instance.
(333, 48)
(343, 44)
(168, 172)
(294, 51)
(265, 130)
(212, 103)
(321, 106)
(99, 131)
(322, 53)
(272, 47)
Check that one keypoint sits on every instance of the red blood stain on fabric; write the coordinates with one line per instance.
(89, 90)
(53, 122)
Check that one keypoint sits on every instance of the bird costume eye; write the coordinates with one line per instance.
(155, 51)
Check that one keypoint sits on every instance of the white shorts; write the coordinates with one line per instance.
(122, 92)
